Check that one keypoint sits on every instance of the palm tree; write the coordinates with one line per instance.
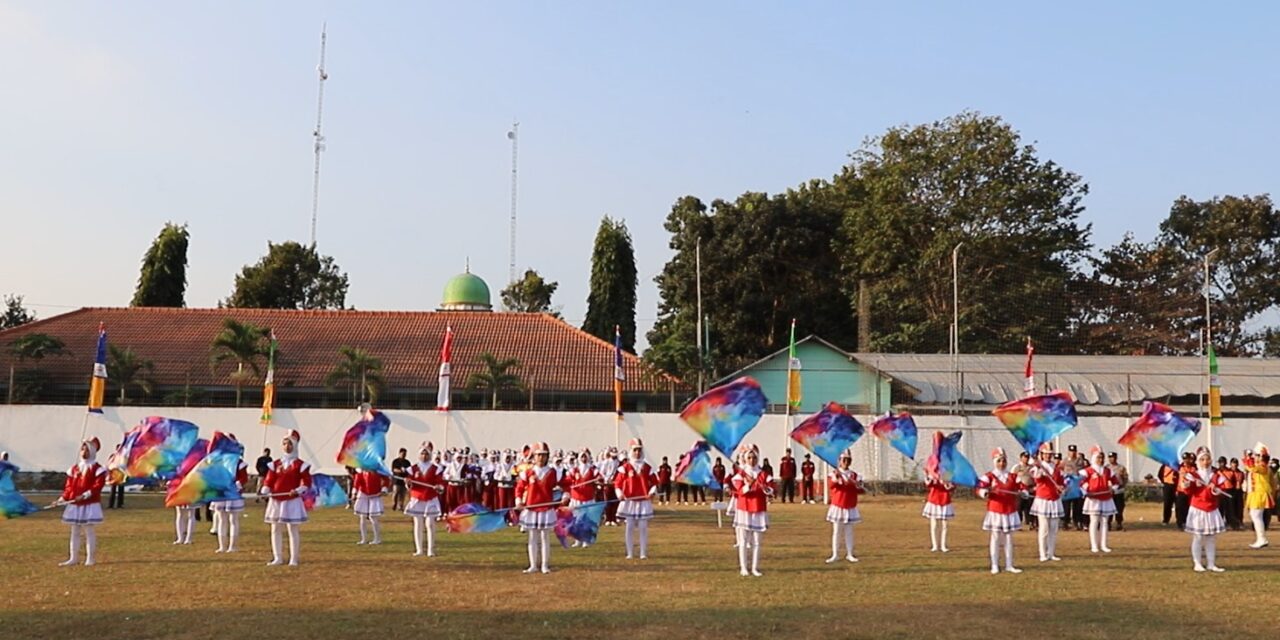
(126, 368)
(495, 377)
(359, 369)
(243, 343)
(33, 346)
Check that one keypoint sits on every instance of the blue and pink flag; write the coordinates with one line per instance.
(364, 447)
(694, 467)
(582, 523)
(1160, 433)
(98, 383)
(724, 415)
(325, 492)
(154, 449)
(948, 464)
(828, 432)
(899, 431)
(1071, 488)
(474, 517)
(1036, 420)
(12, 504)
(213, 477)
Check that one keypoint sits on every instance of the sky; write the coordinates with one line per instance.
(118, 117)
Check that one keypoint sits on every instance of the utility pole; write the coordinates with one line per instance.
(697, 262)
(514, 136)
(955, 327)
(318, 135)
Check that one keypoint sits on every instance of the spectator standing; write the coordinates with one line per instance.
(807, 469)
(262, 466)
(787, 474)
(1182, 496)
(1023, 471)
(1073, 509)
(1121, 475)
(399, 469)
(718, 472)
(664, 481)
(1168, 491)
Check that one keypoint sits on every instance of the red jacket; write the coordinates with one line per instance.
(1047, 482)
(242, 475)
(582, 484)
(843, 486)
(433, 476)
(370, 483)
(787, 468)
(718, 472)
(751, 491)
(1097, 485)
(664, 473)
(1201, 492)
(807, 469)
(1002, 497)
(938, 493)
(635, 482)
(294, 476)
(532, 489)
(89, 480)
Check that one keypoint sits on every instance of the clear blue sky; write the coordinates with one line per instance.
(117, 117)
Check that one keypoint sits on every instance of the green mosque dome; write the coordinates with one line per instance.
(466, 292)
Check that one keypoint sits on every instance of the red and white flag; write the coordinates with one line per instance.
(1029, 386)
(443, 396)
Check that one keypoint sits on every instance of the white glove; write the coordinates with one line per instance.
(619, 492)
(653, 491)
(982, 493)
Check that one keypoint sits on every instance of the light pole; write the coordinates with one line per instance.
(955, 326)
(1207, 339)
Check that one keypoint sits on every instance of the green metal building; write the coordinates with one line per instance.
(827, 374)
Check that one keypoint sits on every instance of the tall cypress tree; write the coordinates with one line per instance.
(163, 281)
(612, 299)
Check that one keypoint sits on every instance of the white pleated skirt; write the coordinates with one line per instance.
(1096, 507)
(635, 509)
(285, 511)
(1206, 523)
(839, 515)
(83, 513)
(939, 511)
(227, 506)
(758, 521)
(1002, 522)
(423, 508)
(370, 506)
(1047, 508)
(538, 520)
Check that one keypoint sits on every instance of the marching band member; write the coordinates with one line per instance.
(844, 487)
(425, 479)
(635, 484)
(1204, 521)
(534, 491)
(938, 509)
(471, 475)
(184, 518)
(82, 493)
(1047, 507)
(753, 487)
(1098, 485)
(370, 486)
(288, 478)
(488, 469)
(455, 489)
(608, 473)
(504, 476)
(1259, 492)
(1001, 490)
(581, 481)
(226, 513)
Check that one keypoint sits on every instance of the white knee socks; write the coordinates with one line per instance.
(539, 539)
(756, 538)
(418, 524)
(363, 537)
(937, 535)
(1259, 527)
(184, 523)
(75, 546)
(90, 545)
(377, 530)
(996, 539)
(995, 552)
(835, 541)
(533, 552)
(277, 543)
(629, 525)
(295, 542)
(233, 524)
(1197, 542)
(1211, 552)
(1008, 554)
(644, 538)
(1098, 534)
(544, 536)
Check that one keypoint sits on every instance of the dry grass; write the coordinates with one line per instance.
(147, 588)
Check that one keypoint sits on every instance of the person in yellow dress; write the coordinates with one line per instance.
(1260, 490)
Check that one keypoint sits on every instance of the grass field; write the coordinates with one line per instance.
(144, 587)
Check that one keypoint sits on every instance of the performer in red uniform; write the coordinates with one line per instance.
(505, 478)
(370, 486)
(286, 481)
(1002, 490)
(844, 486)
(1204, 522)
(1047, 506)
(608, 467)
(753, 487)
(82, 493)
(226, 513)
(787, 474)
(581, 482)
(535, 490)
(1098, 485)
(636, 484)
(425, 480)
(807, 489)
(938, 509)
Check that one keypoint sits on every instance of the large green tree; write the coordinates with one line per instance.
(243, 343)
(126, 369)
(530, 294)
(290, 276)
(611, 301)
(15, 315)
(163, 280)
(360, 371)
(26, 384)
(913, 194)
(497, 375)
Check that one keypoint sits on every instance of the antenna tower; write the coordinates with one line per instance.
(318, 136)
(514, 136)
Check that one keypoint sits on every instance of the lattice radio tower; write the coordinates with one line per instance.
(318, 135)
(514, 136)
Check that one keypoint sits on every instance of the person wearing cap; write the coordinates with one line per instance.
(1259, 493)
(535, 491)
(1047, 505)
(1073, 509)
(1121, 474)
(82, 493)
(635, 485)
(425, 480)
(1001, 490)
(808, 490)
(1099, 487)
(1204, 522)
(753, 486)
(226, 513)
(369, 487)
(938, 509)
(787, 471)
(844, 487)
(286, 481)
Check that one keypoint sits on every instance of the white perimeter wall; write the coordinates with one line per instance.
(45, 438)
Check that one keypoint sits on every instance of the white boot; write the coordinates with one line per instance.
(277, 545)
(74, 558)
(295, 543)
(90, 546)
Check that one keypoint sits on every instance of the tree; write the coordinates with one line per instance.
(359, 370)
(127, 369)
(243, 343)
(1245, 283)
(163, 280)
(496, 376)
(26, 384)
(611, 301)
(915, 193)
(15, 315)
(531, 294)
(290, 276)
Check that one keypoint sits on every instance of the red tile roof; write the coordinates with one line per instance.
(553, 355)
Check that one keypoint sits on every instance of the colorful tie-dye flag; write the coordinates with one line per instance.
(899, 431)
(474, 517)
(694, 467)
(211, 479)
(12, 504)
(947, 463)
(1071, 488)
(364, 448)
(829, 432)
(155, 448)
(582, 523)
(1160, 433)
(324, 492)
(725, 415)
(1039, 419)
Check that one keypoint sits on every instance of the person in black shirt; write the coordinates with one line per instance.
(399, 469)
(262, 466)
